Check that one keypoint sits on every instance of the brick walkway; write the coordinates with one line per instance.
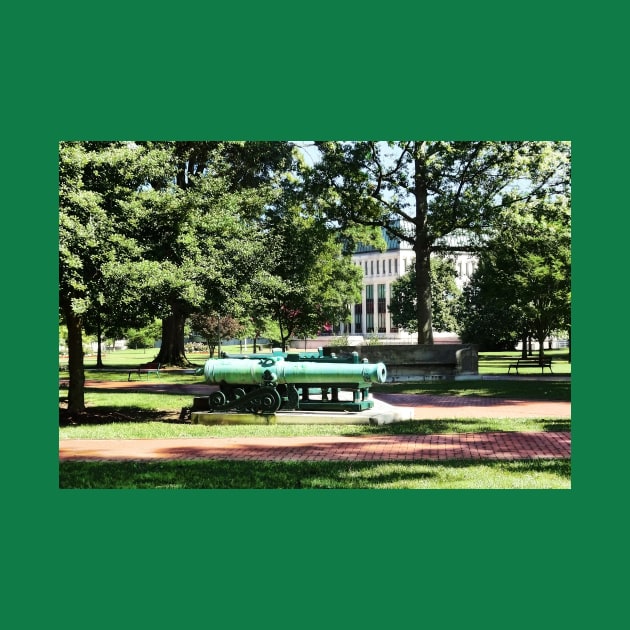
(430, 407)
(506, 446)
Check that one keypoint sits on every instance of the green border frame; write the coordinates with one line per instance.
(339, 71)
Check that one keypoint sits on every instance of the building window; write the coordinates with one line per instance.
(382, 308)
(390, 265)
(369, 308)
(395, 265)
(392, 328)
(358, 324)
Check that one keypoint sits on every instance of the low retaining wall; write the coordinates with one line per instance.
(418, 362)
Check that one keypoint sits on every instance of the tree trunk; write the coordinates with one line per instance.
(76, 392)
(172, 351)
(99, 333)
(422, 249)
(524, 343)
(283, 342)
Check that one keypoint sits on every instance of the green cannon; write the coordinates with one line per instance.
(264, 385)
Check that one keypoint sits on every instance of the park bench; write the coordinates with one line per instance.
(543, 363)
(146, 368)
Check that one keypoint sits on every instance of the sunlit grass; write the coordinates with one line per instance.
(498, 363)
(133, 357)
(166, 430)
(530, 474)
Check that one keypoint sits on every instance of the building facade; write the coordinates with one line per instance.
(371, 317)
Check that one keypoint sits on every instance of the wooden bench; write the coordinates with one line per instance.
(543, 363)
(145, 368)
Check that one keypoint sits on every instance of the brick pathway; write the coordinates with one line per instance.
(430, 407)
(506, 446)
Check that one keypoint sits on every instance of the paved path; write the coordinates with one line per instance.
(430, 407)
(506, 446)
(498, 445)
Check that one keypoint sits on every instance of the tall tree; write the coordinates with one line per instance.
(207, 233)
(311, 278)
(523, 280)
(98, 183)
(77, 206)
(214, 328)
(422, 191)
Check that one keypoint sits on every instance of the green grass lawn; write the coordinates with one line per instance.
(471, 475)
(147, 428)
(521, 390)
(130, 357)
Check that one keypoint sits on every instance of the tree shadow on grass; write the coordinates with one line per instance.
(112, 415)
(215, 474)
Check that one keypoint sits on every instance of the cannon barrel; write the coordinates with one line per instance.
(280, 372)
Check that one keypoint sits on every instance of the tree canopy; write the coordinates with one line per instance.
(522, 285)
(422, 191)
(170, 229)
(98, 200)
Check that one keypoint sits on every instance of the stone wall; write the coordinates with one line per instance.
(418, 362)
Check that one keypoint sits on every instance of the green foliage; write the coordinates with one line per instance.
(310, 281)
(522, 285)
(444, 297)
(489, 322)
(98, 198)
(339, 342)
(143, 337)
